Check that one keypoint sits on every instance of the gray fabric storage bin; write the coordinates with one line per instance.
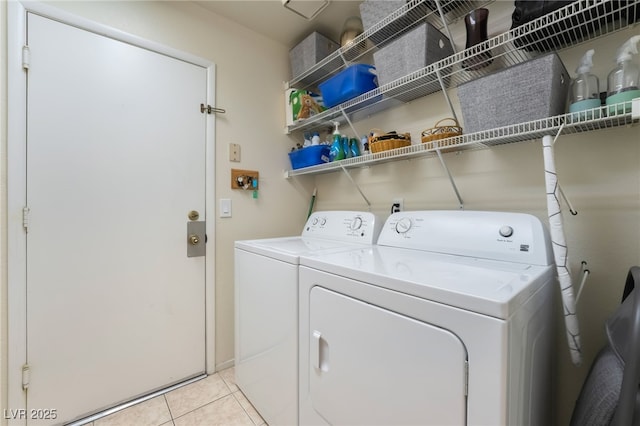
(314, 48)
(525, 92)
(414, 50)
(374, 11)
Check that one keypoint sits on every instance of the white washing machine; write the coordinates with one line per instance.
(446, 321)
(266, 306)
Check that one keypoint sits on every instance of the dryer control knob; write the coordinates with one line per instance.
(506, 231)
(356, 223)
(403, 225)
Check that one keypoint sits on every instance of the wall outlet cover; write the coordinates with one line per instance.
(234, 152)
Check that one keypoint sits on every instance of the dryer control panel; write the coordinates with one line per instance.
(351, 226)
(515, 237)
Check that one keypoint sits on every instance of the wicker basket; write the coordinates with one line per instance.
(389, 141)
(441, 132)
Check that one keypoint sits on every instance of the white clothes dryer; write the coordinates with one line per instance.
(446, 321)
(266, 306)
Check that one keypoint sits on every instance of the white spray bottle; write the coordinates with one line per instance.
(624, 79)
(585, 88)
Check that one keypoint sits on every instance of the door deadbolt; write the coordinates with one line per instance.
(194, 215)
(196, 239)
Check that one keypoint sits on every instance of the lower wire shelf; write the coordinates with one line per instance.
(605, 117)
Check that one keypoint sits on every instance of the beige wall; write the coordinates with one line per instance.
(599, 171)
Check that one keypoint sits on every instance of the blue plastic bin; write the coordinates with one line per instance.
(309, 156)
(349, 83)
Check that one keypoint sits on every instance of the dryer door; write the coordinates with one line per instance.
(372, 366)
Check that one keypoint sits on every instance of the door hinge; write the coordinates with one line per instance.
(210, 110)
(26, 212)
(26, 376)
(26, 57)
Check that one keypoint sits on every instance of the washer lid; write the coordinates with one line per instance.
(484, 286)
(288, 249)
(324, 230)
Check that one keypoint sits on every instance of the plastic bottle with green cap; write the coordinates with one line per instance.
(624, 79)
(585, 88)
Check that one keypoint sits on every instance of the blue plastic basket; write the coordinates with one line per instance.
(349, 83)
(309, 156)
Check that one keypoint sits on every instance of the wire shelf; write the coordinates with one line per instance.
(398, 22)
(571, 25)
(605, 117)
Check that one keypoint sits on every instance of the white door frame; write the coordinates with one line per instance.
(17, 184)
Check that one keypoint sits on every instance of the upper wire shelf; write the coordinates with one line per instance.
(606, 117)
(566, 27)
(401, 20)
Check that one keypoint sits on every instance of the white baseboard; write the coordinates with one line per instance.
(227, 364)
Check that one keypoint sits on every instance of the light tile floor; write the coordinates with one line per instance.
(214, 400)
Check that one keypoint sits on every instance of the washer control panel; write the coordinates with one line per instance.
(515, 237)
(352, 226)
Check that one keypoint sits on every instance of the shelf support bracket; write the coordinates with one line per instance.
(453, 183)
(346, 117)
(585, 273)
(346, 172)
(446, 95)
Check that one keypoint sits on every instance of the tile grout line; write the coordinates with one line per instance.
(242, 406)
(204, 405)
(233, 393)
(169, 408)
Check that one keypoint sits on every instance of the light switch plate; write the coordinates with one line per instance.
(225, 207)
(234, 152)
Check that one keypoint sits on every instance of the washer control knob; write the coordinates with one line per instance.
(403, 225)
(323, 221)
(356, 223)
(315, 221)
(506, 231)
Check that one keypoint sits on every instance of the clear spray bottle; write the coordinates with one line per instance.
(624, 79)
(585, 88)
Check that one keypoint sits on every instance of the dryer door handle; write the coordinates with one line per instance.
(319, 352)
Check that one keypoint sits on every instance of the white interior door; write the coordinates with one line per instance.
(115, 163)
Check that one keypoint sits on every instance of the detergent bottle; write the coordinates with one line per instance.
(623, 81)
(345, 147)
(585, 88)
(336, 152)
(353, 146)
